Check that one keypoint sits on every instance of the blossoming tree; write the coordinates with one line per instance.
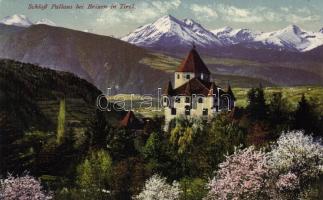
(156, 187)
(241, 176)
(288, 171)
(297, 161)
(22, 188)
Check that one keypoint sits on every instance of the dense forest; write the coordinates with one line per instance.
(55, 141)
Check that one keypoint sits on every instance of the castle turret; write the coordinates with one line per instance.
(192, 67)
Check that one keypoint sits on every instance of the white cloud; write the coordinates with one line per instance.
(285, 9)
(232, 13)
(262, 14)
(143, 12)
(292, 18)
(203, 11)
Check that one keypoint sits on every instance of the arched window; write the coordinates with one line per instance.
(188, 76)
(200, 100)
(178, 76)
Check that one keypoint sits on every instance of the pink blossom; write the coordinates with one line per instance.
(287, 182)
(22, 188)
(242, 175)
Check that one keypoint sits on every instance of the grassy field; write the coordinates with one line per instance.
(293, 94)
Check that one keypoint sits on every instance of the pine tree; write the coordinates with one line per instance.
(305, 116)
(257, 107)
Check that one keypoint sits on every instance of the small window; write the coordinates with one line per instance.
(178, 76)
(187, 111)
(173, 111)
(200, 100)
(202, 76)
(205, 111)
(187, 99)
(188, 76)
(165, 99)
(178, 100)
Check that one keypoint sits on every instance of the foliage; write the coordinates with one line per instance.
(306, 116)
(153, 146)
(24, 187)
(279, 112)
(240, 176)
(297, 154)
(222, 136)
(129, 176)
(257, 107)
(289, 171)
(184, 133)
(120, 143)
(98, 131)
(156, 187)
(61, 121)
(94, 175)
(193, 188)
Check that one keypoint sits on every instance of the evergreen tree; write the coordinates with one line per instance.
(98, 131)
(257, 107)
(279, 113)
(120, 143)
(306, 117)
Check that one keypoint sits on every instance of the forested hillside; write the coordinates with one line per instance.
(41, 106)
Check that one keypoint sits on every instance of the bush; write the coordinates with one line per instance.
(24, 187)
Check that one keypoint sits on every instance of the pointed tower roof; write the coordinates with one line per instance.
(229, 91)
(213, 89)
(193, 63)
(169, 89)
(129, 120)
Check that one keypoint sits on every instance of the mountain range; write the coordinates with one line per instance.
(109, 62)
(104, 61)
(168, 33)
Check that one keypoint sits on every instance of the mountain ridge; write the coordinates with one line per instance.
(112, 63)
(158, 36)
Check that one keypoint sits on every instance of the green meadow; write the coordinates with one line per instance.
(293, 94)
(141, 105)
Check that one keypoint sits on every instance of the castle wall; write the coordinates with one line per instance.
(182, 78)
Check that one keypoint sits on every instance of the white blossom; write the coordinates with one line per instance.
(297, 153)
(156, 187)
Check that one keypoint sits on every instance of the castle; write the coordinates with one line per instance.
(194, 95)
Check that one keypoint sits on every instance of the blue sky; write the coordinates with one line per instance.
(263, 15)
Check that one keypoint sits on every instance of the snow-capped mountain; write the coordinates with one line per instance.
(169, 32)
(291, 38)
(16, 20)
(229, 36)
(46, 21)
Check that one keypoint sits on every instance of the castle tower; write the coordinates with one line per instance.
(193, 94)
(191, 67)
